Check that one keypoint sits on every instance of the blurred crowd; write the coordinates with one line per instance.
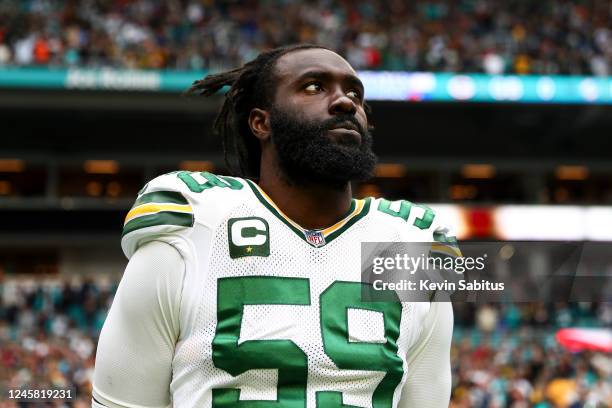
(502, 355)
(48, 336)
(514, 36)
(506, 356)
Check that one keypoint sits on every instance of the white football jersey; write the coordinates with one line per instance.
(271, 314)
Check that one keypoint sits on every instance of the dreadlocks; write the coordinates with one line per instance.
(251, 86)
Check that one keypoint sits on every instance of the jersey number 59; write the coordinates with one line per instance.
(285, 356)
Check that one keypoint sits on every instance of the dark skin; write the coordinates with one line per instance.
(318, 84)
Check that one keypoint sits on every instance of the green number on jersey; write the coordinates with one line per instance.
(331, 399)
(292, 364)
(211, 181)
(335, 302)
(404, 212)
(284, 355)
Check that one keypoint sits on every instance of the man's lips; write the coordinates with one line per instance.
(344, 136)
(346, 125)
(346, 131)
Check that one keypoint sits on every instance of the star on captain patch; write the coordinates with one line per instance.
(249, 249)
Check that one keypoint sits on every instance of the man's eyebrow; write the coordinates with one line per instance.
(324, 75)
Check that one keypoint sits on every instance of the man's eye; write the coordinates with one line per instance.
(354, 94)
(313, 87)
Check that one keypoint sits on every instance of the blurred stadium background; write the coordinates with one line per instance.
(497, 114)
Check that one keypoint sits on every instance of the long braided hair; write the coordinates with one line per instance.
(251, 86)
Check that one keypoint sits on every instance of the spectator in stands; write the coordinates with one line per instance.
(522, 37)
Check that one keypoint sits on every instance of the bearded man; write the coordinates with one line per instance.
(246, 291)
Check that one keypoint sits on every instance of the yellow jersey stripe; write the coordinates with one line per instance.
(269, 200)
(341, 223)
(447, 249)
(152, 208)
(326, 231)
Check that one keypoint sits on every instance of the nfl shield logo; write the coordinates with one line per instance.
(314, 238)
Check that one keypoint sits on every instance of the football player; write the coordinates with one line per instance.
(246, 292)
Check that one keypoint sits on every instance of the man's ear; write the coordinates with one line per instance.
(259, 122)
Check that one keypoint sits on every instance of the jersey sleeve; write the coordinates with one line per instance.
(445, 252)
(428, 382)
(161, 212)
(136, 346)
(444, 240)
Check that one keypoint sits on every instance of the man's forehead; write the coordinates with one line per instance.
(295, 63)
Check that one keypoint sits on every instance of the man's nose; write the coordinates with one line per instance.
(342, 104)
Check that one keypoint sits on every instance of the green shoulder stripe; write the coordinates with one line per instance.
(166, 197)
(444, 239)
(159, 219)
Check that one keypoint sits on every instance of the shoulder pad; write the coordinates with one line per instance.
(172, 203)
(416, 217)
(421, 223)
(160, 209)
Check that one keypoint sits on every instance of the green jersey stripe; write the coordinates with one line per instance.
(444, 239)
(158, 219)
(165, 197)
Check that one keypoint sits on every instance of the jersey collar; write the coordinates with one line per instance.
(317, 237)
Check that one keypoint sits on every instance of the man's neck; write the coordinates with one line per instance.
(313, 206)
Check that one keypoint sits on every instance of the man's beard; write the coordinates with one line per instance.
(307, 154)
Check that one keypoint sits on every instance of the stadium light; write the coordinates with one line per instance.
(528, 222)
(5, 187)
(572, 173)
(101, 167)
(390, 170)
(11, 165)
(94, 188)
(478, 171)
(113, 189)
(462, 192)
